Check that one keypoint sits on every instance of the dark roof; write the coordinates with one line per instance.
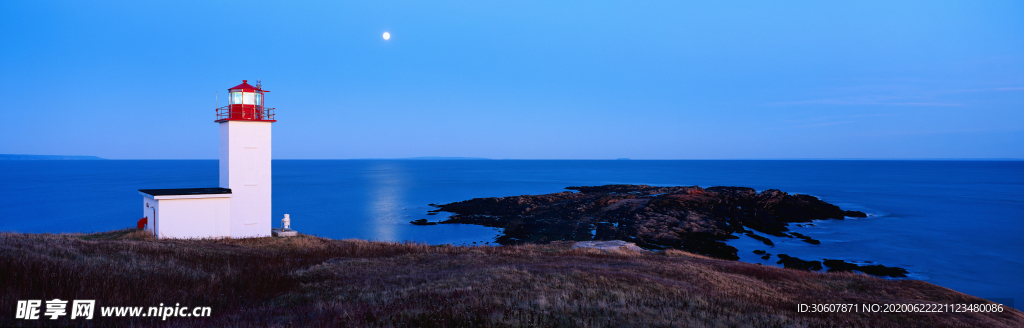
(244, 87)
(186, 191)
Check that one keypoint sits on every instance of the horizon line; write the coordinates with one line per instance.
(547, 159)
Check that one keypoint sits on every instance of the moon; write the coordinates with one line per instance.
(387, 36)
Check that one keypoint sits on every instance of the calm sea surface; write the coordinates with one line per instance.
(956, 224)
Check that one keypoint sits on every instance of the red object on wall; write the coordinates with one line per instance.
(142, 223)
(246, 103)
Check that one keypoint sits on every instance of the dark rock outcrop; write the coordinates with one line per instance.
(794, 263)
(764, 240)
(422, 222)
(855, 214)
(691, 218)
(876, 270)
(805, 238)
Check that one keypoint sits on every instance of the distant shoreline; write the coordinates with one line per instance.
(24, 157)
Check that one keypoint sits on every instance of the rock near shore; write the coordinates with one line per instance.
(691, 218)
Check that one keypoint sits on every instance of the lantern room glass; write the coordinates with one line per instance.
(246, 98)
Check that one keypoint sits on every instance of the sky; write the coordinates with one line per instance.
(520, 79)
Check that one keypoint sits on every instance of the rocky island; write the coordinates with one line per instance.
(693, 219)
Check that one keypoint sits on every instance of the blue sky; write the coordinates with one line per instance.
(520, 80)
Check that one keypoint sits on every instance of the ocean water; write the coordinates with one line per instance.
(957, 224)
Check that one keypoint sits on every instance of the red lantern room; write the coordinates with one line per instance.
(245, 103)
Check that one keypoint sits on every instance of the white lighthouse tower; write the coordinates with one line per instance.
(240, 206)
(245, 159)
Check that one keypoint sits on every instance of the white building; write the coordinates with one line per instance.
(240, 207)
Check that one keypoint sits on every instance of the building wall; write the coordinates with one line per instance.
(149, 211)
(245, 168)
(193, 217)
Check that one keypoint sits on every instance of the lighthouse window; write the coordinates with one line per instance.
(245, 98)
(248, 98)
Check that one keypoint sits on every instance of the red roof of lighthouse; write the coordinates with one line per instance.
(245, 87)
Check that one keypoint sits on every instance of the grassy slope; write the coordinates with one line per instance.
(309, 281)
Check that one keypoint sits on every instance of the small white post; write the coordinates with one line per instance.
(286, 223)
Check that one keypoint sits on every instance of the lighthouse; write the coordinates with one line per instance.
(245, 159)
(240, 207)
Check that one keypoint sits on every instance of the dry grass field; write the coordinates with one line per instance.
(309, 281)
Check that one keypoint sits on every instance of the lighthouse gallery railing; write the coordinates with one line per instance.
(245, 112)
